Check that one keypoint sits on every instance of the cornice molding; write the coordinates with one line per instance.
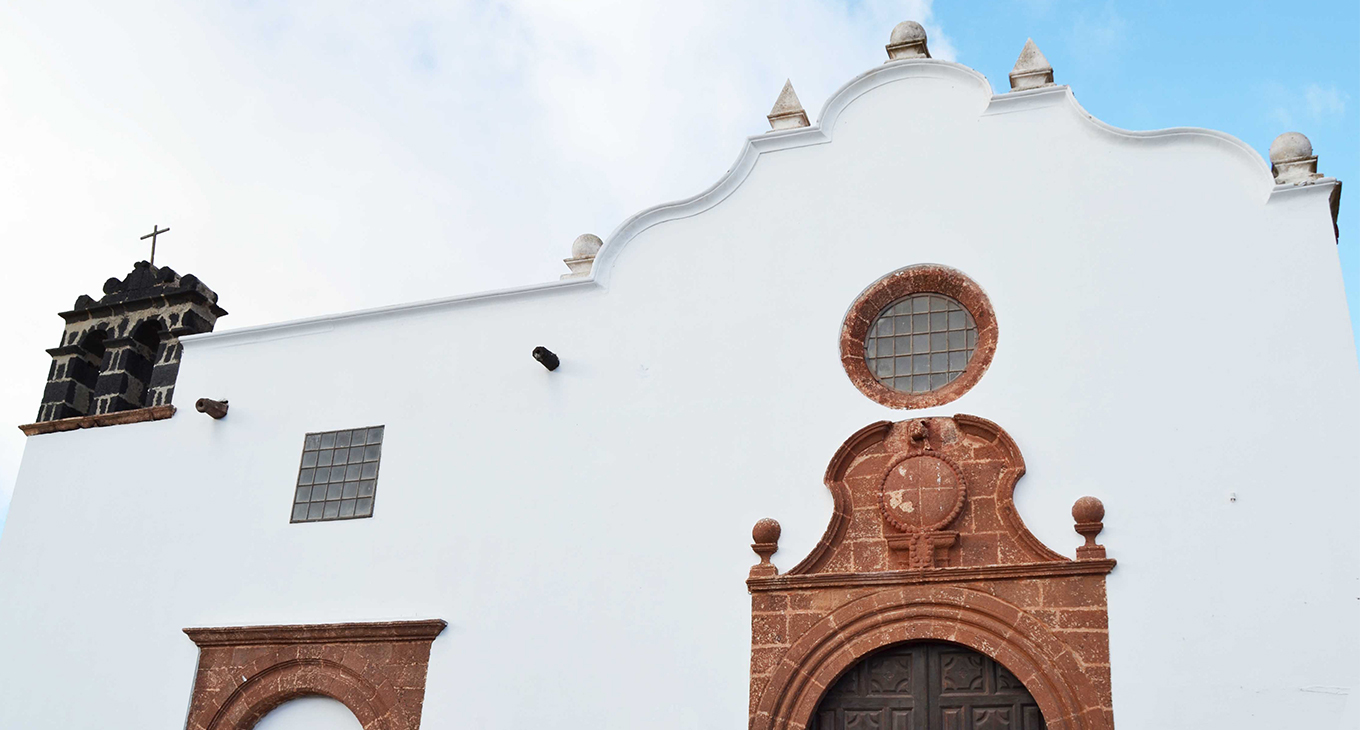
(351, 633)
(935, 575)
(117, 418)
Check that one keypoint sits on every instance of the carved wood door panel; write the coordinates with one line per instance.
(927, 686)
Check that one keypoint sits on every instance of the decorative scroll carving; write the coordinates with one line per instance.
(924, 524)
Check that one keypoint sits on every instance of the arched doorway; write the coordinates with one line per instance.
(313, 712)
(927, 685)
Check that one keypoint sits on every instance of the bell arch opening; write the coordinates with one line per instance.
(926, 685)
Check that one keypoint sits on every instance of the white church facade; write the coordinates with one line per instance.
(1031, 422)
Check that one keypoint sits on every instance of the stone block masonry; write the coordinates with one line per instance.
(122, 352)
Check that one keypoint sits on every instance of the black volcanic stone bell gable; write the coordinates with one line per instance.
(121, 352)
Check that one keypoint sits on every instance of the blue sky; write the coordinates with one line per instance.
(1252, 69)
(314, 156)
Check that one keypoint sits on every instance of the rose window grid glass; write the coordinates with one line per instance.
(339, 475)
(920, 343)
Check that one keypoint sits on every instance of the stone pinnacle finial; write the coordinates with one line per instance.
(1292, 159)
(583, 251)
(788, 111)
(1031, 70)
(908, 40)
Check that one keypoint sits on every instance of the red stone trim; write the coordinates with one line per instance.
(137, 415)
(1049, 669)
(919, 279)
(317, 633)
(376, 669)
(991, 585)
(791, 581)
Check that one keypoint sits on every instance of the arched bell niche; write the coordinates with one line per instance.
(927, 685)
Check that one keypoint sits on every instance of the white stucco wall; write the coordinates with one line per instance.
(1172, 332)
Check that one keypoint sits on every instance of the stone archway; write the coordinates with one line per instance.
(971, 575)
(377, 670)
(289, 680)
(1038, 659)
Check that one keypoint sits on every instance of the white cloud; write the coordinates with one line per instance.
(319, 156)
(1325, 101)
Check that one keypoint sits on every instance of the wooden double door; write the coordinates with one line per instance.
(927, 686)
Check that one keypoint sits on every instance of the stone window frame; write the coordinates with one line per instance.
(377, 670)
(902, 283)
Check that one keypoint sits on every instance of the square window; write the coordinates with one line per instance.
(939, 321)
(939, 341)
(920, 323)
(338, 476)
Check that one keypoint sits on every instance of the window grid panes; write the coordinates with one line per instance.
(339, 475)
(920, 343)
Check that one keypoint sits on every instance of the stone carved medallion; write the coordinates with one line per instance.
(921, 493)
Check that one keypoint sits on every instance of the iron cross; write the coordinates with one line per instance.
(155, 231)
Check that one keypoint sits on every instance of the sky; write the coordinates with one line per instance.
(321, 156)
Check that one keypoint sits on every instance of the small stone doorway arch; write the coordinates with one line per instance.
(927, 685)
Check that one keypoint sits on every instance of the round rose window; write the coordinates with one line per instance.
(919, 337)
(920, 343)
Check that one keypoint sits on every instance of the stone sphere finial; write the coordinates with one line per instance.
(1088, 512)
(583, 251)
(586, 245)
(1088, 509)
(766, 531)
(908, 40)
(766, 536)
(1289, 147)
(907, 30)
(1292, 159)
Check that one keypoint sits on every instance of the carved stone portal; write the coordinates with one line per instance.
(925, 544)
